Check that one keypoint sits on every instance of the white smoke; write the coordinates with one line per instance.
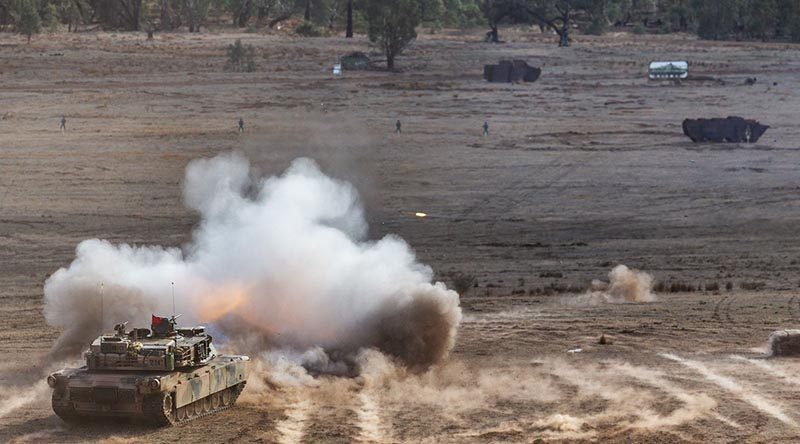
(283, 257)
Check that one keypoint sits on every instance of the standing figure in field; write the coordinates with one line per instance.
(398, 127)
(241, 125)
(63, 126)
(486, 128)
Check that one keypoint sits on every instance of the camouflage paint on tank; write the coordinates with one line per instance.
(120, 394)
(133, 373)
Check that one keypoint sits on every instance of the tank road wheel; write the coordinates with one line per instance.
(216, 402)
(198, 407)
(159, 408)
(225, 396)
(207, 404)
(182, 414)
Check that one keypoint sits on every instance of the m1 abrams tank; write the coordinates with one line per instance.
(164, 375)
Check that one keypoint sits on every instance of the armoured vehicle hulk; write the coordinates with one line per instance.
(164, 375)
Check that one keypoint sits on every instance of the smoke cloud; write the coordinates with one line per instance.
(625, 285)
(282, 262)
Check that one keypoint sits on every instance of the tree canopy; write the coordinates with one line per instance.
(392, 25)
(710, 19)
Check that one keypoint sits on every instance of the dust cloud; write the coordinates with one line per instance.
(16, 397)
(562, 398)
(284, 259)
(624, 285)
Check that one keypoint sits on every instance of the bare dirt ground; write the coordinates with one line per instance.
(584, 169)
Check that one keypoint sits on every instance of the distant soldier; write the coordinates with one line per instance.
(241, 125)
(398, 126)
(486, 128)
(63, 125)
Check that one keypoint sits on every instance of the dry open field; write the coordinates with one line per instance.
(585, 169)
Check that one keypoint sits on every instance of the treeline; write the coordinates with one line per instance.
(710, 19)
(167, 15)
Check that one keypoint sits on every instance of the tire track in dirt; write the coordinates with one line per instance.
(510, 185)
(722, 309)
(332, 415)
(370, 424)
(628, 406)
(748, 395)
(694, 405)
(793, 312)
(524, 196)
(715, 314)
(292, 428)
(771, 369)
(727, 309)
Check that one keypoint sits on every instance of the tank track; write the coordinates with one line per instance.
(63, 410)
(217, 402)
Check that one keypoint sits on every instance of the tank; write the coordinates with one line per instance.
(784, 343)
(511, 72)
(732, 129)
(164, 375)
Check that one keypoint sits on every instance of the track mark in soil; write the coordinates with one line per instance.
(717, 306)
(694, 405)
(510, 185)
(765, 405)
(293, 428)
(369, 420)
(769, 368)
(791, 308)
(727, 309)
(722, 309)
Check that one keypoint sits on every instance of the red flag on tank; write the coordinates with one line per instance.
(161, 326)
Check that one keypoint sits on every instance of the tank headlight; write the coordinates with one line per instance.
(51, 381)
(154, 384)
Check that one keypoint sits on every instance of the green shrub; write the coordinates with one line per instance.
(28, 22)
(596, 27)
(51, 18)
(241, 58)
(308, 29)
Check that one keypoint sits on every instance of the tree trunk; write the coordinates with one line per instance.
(244, 14)
(262, 14)
(564, 34)
(349, 33)
(166, 20)
(563, 30)
(136, 14)
(389, 61)
(493, 36)
(131, 14)
(307, 13)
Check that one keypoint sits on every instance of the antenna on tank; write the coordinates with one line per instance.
(102, 318)
(173, 299)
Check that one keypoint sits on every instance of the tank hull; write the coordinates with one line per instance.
(162, 398)
(732, 129)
